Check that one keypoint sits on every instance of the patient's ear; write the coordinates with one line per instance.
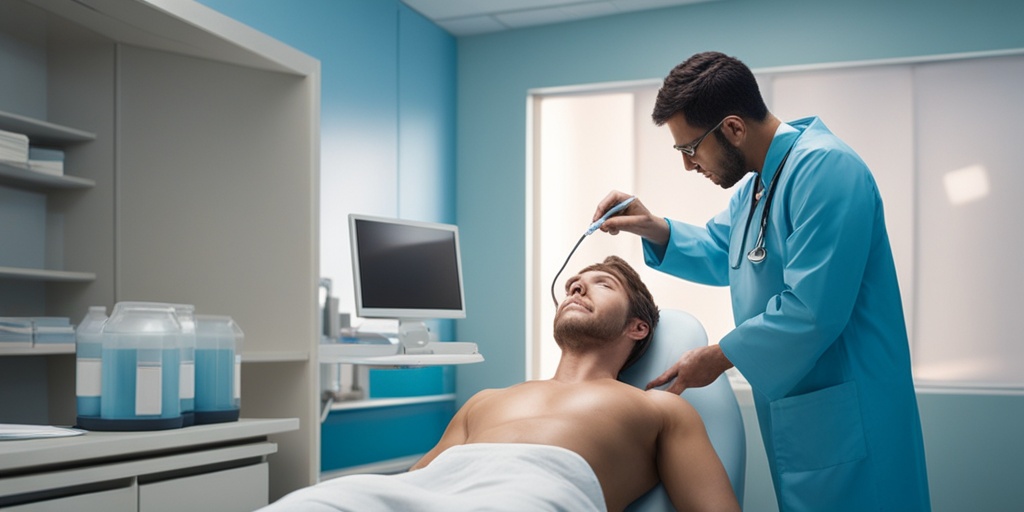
(637, 329)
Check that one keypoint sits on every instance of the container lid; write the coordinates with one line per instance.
(143, 318)
(93, 320)
(187, 317)
(216, 331)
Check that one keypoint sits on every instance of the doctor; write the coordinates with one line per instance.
(819, 332)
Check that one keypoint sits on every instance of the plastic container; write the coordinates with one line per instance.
(218, 369)
(187, 381)
(141, 354)
(89, 362)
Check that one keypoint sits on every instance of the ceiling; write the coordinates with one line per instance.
(472, 17)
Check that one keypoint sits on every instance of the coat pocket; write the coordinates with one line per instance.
(818, 430)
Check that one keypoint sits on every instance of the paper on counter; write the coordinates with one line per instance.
(9, 432)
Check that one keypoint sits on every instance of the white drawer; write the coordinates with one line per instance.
(123, 499)
(241, 489)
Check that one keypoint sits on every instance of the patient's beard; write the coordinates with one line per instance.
(574, 333)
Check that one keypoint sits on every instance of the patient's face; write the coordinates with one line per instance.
(594, 311)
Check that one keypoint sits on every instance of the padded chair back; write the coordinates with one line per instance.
(678, 332)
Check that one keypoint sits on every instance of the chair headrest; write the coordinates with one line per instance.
(677, 332)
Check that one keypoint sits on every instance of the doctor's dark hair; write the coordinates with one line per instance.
(706, 88)
(641, 303)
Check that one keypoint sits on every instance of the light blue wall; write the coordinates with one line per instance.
(387, 112)
(973, 445)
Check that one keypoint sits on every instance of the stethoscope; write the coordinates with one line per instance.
(758, 253)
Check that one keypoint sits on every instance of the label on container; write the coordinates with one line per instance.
(187, 381)
(88, 377)
(238, 378)
(148, 390)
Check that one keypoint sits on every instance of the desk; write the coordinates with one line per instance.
(206, 467)
(390, 355)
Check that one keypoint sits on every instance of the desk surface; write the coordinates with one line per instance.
(19, 455)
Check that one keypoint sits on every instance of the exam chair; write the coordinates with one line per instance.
(676, 333)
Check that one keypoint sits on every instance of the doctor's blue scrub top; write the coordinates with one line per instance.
(820, 333)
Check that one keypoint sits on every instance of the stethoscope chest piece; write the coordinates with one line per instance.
(757, 254)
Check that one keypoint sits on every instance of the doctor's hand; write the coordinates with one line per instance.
(634, 219)
(695, 369)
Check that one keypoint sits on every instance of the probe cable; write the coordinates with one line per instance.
(553, 281)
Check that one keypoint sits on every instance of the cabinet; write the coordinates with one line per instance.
(31, 256)
(192, 160)
(210, 467)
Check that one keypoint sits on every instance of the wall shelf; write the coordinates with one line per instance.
(373, 403)
(14, 174)
(38, 274)
(43, 133)
(38, 350)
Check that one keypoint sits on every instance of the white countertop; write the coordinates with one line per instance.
(19, 455)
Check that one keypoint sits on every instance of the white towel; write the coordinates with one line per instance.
(473, 477)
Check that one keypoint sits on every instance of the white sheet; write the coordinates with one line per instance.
(483, 476)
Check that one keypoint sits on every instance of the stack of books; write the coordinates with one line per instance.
(49, 161)
(13, 147)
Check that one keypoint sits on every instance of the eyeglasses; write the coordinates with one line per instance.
(691, 148)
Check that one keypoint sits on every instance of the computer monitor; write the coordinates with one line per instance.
(406, 270)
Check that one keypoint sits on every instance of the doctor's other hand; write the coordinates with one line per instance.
(636, 219)
(695, 369)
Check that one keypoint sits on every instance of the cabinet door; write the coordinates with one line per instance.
(116, 500)
(242, 489)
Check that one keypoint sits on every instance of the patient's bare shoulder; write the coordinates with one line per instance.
(673, 406)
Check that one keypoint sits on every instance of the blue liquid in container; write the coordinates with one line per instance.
(88, 406)
(215, 379)
(120, 386)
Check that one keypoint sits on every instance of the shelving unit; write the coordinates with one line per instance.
(18, 175)
(192, 150)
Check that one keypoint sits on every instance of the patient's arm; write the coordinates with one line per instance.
(456, 433)
(688, 466)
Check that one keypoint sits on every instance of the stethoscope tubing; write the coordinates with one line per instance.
(759, 253)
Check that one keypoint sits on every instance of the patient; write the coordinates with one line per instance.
(580, 441)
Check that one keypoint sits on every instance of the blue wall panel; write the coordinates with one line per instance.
(425, 381)
(364, 436)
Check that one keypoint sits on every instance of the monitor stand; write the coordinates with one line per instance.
(414, 338)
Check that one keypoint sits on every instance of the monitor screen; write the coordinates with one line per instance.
(406, 269)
